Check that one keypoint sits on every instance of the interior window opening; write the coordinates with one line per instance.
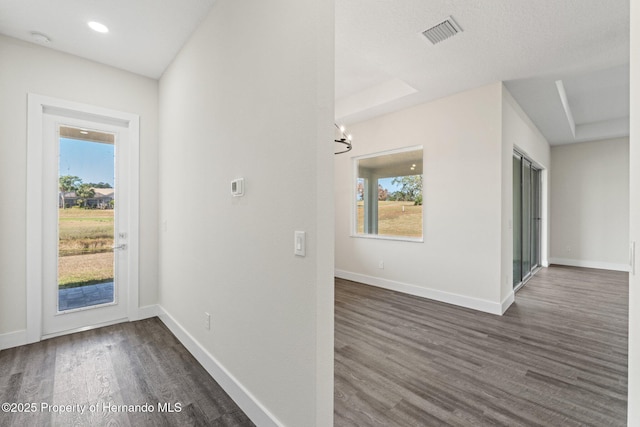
(389, 194)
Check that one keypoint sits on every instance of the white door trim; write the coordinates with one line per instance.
(37, 105)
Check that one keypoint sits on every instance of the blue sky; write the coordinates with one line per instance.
(91, 161)
(386, 184)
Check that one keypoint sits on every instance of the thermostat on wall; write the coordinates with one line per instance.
(237, 187)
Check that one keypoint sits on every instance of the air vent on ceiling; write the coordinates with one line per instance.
(442, 31)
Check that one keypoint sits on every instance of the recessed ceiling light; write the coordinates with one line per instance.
(40, 38)
(84, 132)
(97, 26)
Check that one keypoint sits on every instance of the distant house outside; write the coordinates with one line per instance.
(102, 199)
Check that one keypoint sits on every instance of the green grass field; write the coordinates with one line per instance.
(86, 236)
(84, 249)
(393, 220)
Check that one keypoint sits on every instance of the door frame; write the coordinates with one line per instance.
(38, 105)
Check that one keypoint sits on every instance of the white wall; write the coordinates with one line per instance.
(251, 95)
(633, 414)
(467, 254)
(459, 261)
(590, 204)
(28, 68)
(519, 132)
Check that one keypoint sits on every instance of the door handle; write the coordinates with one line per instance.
(121, 246)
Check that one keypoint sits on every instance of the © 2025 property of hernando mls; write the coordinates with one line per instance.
(471, 257)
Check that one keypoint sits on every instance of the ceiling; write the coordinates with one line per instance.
(144, 35)
(393, 164)
(384, 63)
(597, 104)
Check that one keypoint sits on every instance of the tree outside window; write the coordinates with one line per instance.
(389, 194)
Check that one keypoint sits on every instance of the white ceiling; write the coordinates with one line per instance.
(383, 63)
(144, 36)
(598, 102)
(393, 164)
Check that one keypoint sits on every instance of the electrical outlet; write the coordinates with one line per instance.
(207, 321)
(381, 264)
(568, 248)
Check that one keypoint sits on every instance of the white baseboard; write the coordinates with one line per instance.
(589, 264)
(243, 398)
(510, 299)
(13, 339)
(419, 291)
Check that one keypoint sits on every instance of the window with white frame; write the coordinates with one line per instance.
(388, 196)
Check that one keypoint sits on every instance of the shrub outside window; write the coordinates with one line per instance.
(388, 196)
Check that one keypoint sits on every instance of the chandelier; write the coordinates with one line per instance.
(344, 139)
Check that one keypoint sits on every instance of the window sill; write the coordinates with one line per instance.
(393, 238)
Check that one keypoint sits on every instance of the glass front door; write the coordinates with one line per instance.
(86, 220)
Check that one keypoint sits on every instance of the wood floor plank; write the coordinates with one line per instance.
(125, 364)
(557, 357)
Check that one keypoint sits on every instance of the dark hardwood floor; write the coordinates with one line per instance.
(558, 357)
(134, 363)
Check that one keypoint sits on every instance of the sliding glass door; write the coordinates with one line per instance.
(526, 219)
(535, 220)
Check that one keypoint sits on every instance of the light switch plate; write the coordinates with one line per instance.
(300, 243)
(237, 187)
